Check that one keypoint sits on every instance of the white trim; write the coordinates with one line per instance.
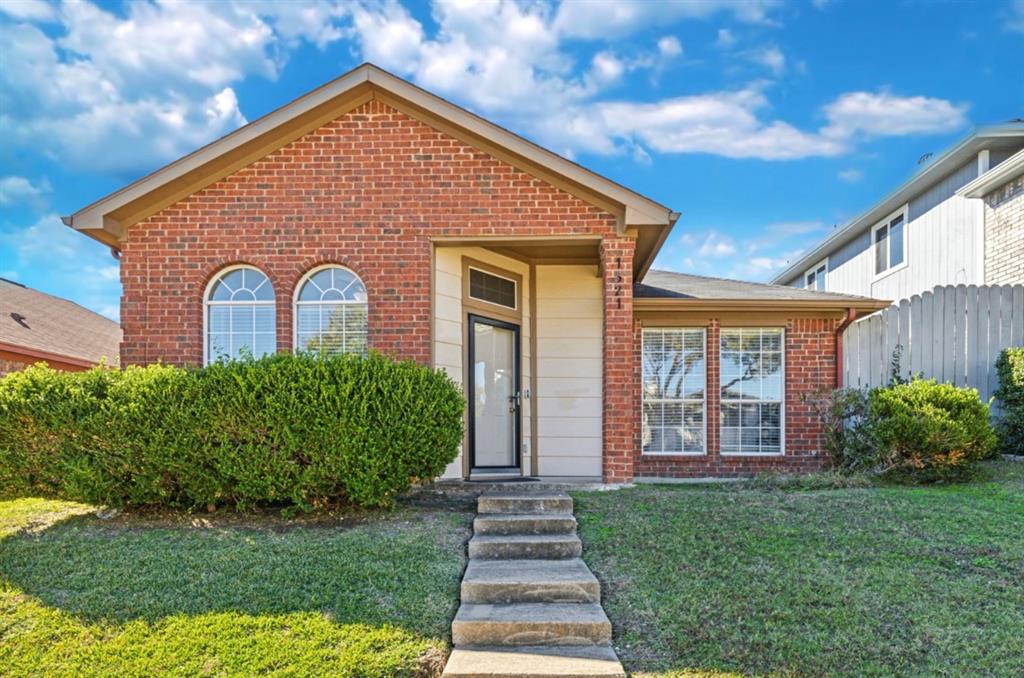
(876, 275)
(298, 290)
(996, 177)
(207, 303)
(515, 286)
(814, 269)
(782, 401)
(643, 399)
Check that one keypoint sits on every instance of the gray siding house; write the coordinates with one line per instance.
(930, 232)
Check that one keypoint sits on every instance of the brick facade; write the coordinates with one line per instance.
(1004, 234)
(810, 371)
(369, 191)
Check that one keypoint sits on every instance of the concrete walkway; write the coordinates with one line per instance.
(530, 605)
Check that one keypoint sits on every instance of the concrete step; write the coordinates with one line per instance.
(593, 661)
(524, 502)
(525, 546)
(529, 581)
(531, 624)
(524, 523)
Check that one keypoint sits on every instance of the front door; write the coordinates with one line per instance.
(493, 395)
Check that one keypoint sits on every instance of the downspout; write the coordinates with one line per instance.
(851, 315)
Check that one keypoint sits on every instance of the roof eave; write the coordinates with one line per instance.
(751, 304)
(1002, 173)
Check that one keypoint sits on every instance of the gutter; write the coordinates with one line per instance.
(851, 315)
(670, 304)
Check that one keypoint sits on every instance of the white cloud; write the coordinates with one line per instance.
(876, 114)
(594, 19)
(28, 10)
(669, 46)
(771, 58)
(717, 245)
(19, 190)
(851, 176)
(725, 39)
(126, 91)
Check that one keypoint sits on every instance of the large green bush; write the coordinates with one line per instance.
(284, 430)
(1010, 428)
(930, 430)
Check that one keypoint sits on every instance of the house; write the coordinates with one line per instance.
(929, 231)
(370, 213)
(37, 327)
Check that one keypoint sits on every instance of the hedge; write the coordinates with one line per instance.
(1010, 427)
(289, 430)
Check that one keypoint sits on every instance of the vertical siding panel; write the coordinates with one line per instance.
(959, 357)
(917, 334)
(971, 330)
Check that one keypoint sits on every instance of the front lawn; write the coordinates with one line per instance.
(883, 581)
(366, 594)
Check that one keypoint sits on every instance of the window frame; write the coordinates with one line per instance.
(469, 287)
(781, 401)
(886, 223)
(814, 269)
(298, 290)
(643, 398)
(207, 303)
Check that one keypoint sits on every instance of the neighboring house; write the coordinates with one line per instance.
(930, 232)
(370, 213)
(37, 327)
(1002, 192)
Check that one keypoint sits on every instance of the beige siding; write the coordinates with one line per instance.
(569, 357)
(449, 327)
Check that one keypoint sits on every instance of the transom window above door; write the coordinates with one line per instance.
(331, 312)
(494, 289)
(240, 315)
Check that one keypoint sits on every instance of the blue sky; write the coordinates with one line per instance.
(763, 122)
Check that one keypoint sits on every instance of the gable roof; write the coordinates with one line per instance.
(109, 218)
(667, 289)
(996, 136)
(41, 325)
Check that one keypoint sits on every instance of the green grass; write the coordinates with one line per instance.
(367, 594)
(874, 581)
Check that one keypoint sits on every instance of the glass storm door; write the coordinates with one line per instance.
(493, 393)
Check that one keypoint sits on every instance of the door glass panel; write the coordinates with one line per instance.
(493, 390)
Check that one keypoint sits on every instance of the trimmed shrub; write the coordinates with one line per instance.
(292, 430)
(1010, 427)
(932, 431)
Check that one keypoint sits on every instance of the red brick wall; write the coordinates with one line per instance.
(367, 191)
(810, 369)
(621, 387)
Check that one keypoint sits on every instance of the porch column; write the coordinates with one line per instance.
(620, 387)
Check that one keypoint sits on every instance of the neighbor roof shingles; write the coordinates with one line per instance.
(669, 285)
(34, 320)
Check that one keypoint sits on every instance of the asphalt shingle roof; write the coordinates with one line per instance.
(39, 321)
(669, 285)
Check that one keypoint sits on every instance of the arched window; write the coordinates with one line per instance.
(330, 312)
(240, 315)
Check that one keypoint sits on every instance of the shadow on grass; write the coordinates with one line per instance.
(377, 591)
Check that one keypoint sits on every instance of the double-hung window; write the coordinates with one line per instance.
(814, 279)
(674, 387)
(752, 390)
(889, 242)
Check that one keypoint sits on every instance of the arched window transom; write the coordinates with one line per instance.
(240, 315)
(331, 312)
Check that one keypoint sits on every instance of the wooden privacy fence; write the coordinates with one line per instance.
(953, 334)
